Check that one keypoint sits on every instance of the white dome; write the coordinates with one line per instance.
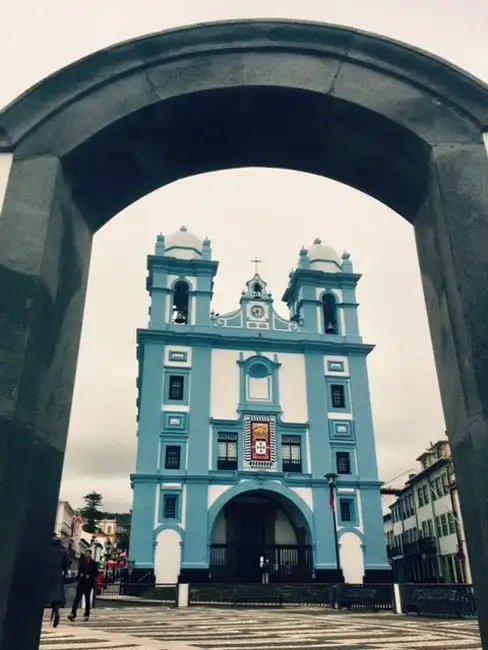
(183, 245)
(323, 257)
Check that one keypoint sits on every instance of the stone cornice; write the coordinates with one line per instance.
(234, 477)
(310, 277)
(179, 266)
(264, 341)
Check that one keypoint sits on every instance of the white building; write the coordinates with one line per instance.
(63, 526)
(425, 533)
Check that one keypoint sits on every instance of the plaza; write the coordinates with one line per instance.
(165, 628)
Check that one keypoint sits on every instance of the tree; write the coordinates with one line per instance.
(124, 519)
(123, 542)
(91, 512)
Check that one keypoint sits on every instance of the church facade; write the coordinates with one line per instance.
(255, 434)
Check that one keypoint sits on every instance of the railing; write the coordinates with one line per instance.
(394, 551)
(365, 596)
(423, 546)
(438, 600)
(286, 563)
(433, 600)
(137, 593)
(306, 594)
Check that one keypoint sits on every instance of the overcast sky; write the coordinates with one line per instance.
(244, 213)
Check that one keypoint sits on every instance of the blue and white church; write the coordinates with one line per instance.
(255, 432)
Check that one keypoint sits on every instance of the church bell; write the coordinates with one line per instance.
(180, 317)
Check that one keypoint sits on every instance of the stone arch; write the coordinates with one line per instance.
(274, 489)
(385, 118)
(259, 360)
(181, 301)
(168, 544)
(330, 312)
(186, 280)
(351, 551)
(271, 376)
(177, 527)
(342, 530)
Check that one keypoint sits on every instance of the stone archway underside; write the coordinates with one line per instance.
(380, 116)
(256, 524)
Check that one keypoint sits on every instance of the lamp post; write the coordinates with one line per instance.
(108, 555)
(331, 479)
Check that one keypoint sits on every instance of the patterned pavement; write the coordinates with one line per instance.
(163, 628)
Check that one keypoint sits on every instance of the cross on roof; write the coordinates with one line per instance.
(256, 261)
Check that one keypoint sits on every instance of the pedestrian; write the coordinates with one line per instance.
(87, 581)
(265, 571)
(58, 564)
(288, 572)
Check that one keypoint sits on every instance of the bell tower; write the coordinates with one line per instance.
(180, 280)
(321, 293)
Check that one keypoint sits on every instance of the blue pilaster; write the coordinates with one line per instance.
(350, 309)
(203, 299)
(199, 429)
(309, 308)
(142, 527)
(150, 409)
(361, 406)
(159, 300)
(157, 285)
(325, 556)
(317, 414)
(375, 557)
(195, 548)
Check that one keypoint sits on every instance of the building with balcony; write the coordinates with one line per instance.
(63, 527)
(241, 416)
(424, 530)
(69, 528)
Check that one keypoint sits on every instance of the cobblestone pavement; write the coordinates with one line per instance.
(163, 628)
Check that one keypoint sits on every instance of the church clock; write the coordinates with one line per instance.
(257, 311)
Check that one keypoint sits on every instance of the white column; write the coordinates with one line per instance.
(183, 593)
(397, 596)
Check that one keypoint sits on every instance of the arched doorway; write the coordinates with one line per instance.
(259, 527)
(379, 116)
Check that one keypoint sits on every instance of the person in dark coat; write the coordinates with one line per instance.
(58, 564)
(87, 581)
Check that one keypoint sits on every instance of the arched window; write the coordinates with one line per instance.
(258, 370)
(329, 308)
(181, 301)
(257, 290)
(258, 382)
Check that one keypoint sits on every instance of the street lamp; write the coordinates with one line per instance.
(331, 479)
(108, 555)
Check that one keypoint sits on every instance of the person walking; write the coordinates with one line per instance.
(87, 581)
(58, 565)
(265, 569)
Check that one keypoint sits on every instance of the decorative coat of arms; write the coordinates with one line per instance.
(260, 441)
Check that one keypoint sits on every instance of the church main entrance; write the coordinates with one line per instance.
(256, 530)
